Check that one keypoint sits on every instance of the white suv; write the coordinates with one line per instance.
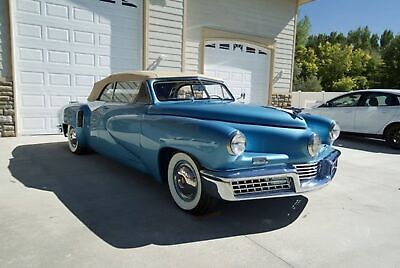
(373, 112)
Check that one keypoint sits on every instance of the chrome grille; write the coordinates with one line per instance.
(261, 185)
(307, 171)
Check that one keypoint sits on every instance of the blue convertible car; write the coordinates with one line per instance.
(186, 130)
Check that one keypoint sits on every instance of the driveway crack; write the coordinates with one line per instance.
(269, 251)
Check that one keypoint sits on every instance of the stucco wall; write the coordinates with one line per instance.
(5, 53)
(266, 18)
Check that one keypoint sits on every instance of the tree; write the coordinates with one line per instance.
(344, 84)
(306, 62)
(391, 66)
(359, 62)
(334, 63)
(338, 64)
(386, 37)
(374, 71)
(360, 38)
(375, 42)
(303, 31)
(337, 38)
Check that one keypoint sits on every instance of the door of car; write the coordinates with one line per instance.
(342, 109)
(116, 124)
(377, 109)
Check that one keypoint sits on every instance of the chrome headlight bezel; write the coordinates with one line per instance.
(334, 132)
(237, 143)
(314, 145)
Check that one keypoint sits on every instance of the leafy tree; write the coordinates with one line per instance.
(391, 67)
(344, 84)
(361, 82)
(374, 71)
(315, 40)
(303, 31)
(375, 42)
(310, 85)
(359, 62)
(305, 68)
(334, 63)
(337, 38)
(386, 37)
(360, 38)
(306, 62)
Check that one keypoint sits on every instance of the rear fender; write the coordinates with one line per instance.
(78, 116)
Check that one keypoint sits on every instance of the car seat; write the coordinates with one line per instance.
(373, 101)
(392, 101)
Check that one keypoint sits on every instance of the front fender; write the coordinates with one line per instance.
(319, 124)
(205, 140)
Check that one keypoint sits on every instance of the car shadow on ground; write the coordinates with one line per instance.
(128, 209)
(364, 144)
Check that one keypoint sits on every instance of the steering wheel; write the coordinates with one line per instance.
(215, 96)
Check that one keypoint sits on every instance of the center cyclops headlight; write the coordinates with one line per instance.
(237, 144)
(334, 132)
(314, 145)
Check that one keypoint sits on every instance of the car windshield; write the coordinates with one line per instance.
(191, 90)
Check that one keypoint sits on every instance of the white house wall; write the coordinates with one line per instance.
(165, 33)
(266, 18)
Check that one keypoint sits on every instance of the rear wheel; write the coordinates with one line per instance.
(185, 185)
(73, 143)
(393, 137)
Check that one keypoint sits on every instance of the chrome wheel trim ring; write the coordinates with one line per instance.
(185, 180)
(188, 203)
(72, 139)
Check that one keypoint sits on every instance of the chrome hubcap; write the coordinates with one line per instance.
(185, 181)
(72, 137)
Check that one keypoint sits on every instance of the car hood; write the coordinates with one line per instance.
(231, 112)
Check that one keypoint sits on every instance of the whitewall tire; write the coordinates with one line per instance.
(185, 185)
(73, 143)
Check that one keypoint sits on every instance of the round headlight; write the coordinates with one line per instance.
(314, 145)
(237, 144)
(334, 132)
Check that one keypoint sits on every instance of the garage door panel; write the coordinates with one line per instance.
(62, 47)
(31, 54)
(245, 69)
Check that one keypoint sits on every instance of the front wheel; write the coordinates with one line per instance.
(185, 185)
(73, 143)
(393, 137)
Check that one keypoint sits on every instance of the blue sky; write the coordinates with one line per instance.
(344, 15)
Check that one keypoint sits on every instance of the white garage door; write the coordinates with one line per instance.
(245, 68)
(61, 47)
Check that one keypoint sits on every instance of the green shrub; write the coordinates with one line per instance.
(344, 84)
(361, 82)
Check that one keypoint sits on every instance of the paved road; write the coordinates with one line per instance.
(61, 210)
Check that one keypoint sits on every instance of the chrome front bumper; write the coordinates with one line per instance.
(269, 182)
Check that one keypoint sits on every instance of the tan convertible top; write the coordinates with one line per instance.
(139, 76)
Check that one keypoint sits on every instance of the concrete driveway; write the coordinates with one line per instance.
(62, 210)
